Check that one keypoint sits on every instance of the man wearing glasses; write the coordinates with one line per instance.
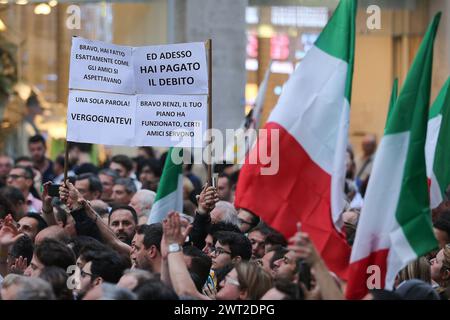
(102, 267)
(247, 220)
(230, 249)
(21, 178)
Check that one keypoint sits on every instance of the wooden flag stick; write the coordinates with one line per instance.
(66, 162)
(209, 163)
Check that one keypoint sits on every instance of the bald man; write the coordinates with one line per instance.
(52, 232)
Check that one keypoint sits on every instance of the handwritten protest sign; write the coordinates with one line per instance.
(150, 96)
(163, 120)
(102, 118)
(100, 66)
(171, 69)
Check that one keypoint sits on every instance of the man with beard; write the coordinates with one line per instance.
(37, 149)
(123, 221)
(146, 247)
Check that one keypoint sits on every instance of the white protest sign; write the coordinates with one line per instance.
(171, 69)
(100, 66)
(171, 120)
(102, 118)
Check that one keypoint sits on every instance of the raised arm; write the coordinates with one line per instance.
(47, 208)
(181, 279)
(206, 203)
(8, 235)
(75, 201)
(302, 245)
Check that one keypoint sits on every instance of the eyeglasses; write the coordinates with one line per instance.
(242, 221)
(231, 281)
(219, 251)
(84, 274)
(15, 176)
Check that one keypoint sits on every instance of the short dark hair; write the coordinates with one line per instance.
(291, 290)
(14, 195)
(60, 160)
(110, 173)
(200, 265)
(239, 244)
(261, 227)
(6, 207)
(41, 222)
(83, 147)
(152, 234)
(22, 158)
(124, 161)
(86, 168)
(94, 182)
(28, 171)
(124, 207)
(154, 290)
(107, 264)
(222, 226)
(275, 238)
(22, 247)
(37, 138)
(61, 214)
(443, 222)
(80, 244)
(148, 151)
(57, 278)
(153, 164)
(51, 252)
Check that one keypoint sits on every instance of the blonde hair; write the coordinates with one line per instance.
(446, 264)
(253, 278)
(418, 269)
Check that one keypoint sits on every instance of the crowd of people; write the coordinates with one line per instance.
(87, 237)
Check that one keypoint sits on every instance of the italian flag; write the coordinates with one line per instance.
(395, 224)
(393, 99)
(311, 119)
(437, 150)
(170, 190)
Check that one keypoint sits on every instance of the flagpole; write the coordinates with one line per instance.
(209, 162)
(66, 162)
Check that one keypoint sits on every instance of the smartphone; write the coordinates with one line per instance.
(53, 190)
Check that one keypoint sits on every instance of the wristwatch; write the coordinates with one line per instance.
(174, 247)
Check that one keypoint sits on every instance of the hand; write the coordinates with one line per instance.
(91, 213)
(209, 291)
(46, 199)
(19, 265)
(313, 294)
(70, 195)
(172, 229)
(207, 199)
(9, 233)
(303, 247)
